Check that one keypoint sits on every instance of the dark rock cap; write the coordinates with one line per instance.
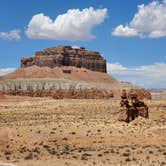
(67, 56)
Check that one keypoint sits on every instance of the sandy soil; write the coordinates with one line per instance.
(39, 132)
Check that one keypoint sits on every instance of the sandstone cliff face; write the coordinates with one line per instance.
(67, 56)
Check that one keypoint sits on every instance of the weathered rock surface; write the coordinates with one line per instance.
(64, 93)
(129, 111)
(67, 56)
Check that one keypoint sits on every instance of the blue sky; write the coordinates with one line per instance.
(131, 38)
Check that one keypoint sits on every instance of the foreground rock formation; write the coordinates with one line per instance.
(137, 108)
(67, 56)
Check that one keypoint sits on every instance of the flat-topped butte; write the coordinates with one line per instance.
(67, 56)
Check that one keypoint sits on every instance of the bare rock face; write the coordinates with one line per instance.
(67, 56)
(129, 111)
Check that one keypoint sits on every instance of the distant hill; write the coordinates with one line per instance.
(158, 93)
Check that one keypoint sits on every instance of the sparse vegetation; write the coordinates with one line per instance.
(67, 132)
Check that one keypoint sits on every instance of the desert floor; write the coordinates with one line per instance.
(39, 132)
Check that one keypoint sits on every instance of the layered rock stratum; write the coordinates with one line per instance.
(67, 56)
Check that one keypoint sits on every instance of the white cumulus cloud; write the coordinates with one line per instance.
(125, 31)
(149, 21)
(115, 67)
(150, 76)
(73, 25)
(4, 71)
(11, 35)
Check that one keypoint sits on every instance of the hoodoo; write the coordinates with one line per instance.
(67, 56)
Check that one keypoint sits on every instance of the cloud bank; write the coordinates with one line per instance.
(73, 25)
(152, 76)
(149, 21)
(11, 35)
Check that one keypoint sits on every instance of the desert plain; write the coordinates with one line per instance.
(45, 131)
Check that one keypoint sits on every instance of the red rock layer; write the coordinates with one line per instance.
(60, 94)
(67, 56)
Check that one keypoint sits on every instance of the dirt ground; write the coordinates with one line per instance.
(39, 132)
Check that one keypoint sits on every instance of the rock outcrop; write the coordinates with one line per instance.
(128, 112)
(67, 56)
(64, 93)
